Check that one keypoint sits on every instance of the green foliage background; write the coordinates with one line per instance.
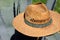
(35, 1)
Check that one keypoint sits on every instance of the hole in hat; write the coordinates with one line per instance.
(39, 3)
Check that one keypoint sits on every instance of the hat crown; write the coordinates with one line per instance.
(37, 13)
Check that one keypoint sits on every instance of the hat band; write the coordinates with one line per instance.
(37, 25)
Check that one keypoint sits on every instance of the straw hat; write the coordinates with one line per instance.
(37, 21)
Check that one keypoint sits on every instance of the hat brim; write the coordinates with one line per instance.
(25, 29)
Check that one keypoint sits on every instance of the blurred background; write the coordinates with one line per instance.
(9, 7)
